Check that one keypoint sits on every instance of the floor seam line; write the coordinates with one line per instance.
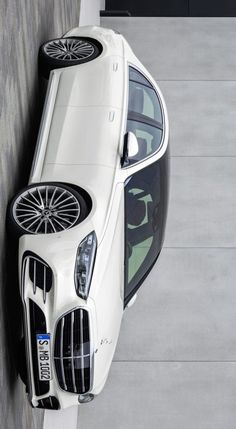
(174, 361)
(195, 80)
(200, 247)
(203, 156)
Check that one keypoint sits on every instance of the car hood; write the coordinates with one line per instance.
(84, 136)
(86, 122)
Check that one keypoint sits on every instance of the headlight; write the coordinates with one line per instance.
(84, 265)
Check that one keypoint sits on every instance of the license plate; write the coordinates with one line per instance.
(44, 358)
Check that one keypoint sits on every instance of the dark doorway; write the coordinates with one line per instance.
(174, 7)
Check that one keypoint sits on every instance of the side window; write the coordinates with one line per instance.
(144, 115)
(146, 195)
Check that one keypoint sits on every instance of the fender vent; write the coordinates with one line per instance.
(40, 275)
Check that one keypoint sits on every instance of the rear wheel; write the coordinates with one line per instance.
(68, 51)
(46, 208)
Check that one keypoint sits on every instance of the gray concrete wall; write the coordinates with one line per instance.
(89, 12)
(24, 25)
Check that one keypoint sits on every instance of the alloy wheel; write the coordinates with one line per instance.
(46, 209)
(69, 49)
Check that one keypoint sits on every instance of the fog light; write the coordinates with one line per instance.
(83, 399)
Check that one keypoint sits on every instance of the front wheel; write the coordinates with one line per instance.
(65, 52)
(46, 208)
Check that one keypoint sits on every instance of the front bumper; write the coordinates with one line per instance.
(72, 375)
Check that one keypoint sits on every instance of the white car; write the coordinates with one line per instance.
(91, 221)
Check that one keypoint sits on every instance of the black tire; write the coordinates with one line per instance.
(17, 230)
(21, 363)
(48, 63)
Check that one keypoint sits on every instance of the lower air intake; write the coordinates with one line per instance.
(50, 403)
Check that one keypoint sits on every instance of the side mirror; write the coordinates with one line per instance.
(131, 148)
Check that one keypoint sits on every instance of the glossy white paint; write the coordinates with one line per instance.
(80, 142)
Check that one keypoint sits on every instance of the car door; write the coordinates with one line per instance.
(146, 188)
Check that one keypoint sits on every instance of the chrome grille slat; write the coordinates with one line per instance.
(61, 353)
(44, 283)
(34, 282)
(75, 357)
(82, 348)
(72, 349)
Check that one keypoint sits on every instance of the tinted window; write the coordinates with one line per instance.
(149, 139)
(138, 77)
(143, 99)
(146, 196)
(144, 115)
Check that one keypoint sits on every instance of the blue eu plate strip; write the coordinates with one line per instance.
(43, 336)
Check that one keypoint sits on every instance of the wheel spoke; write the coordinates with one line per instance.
(36, 220)
(27, 214)
(46, 196)
(40, 197)
(40, 223)
(32, 210)
(31, 202)
(66, 214)
(52, 198)
(59, 198)
(66, 210)
(62, 202)
(28, 219)
(33, 196)
(51, 223)
(64, 219)
(59, 223)
(68, 205)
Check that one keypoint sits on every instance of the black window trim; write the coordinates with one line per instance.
(149, 85)
(139, 117)
(142, 83)
(128, 167)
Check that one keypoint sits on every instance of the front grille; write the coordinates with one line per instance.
(49, 403)
(40, 275)
(72, 352)
(37, 326)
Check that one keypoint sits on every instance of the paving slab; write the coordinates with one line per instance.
(202, 117)
(165, 396)
(185, 310)
(202, 202)
(61, 418)
(182, 48)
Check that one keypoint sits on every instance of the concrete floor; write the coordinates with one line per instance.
(175, 365)
(24, 25)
